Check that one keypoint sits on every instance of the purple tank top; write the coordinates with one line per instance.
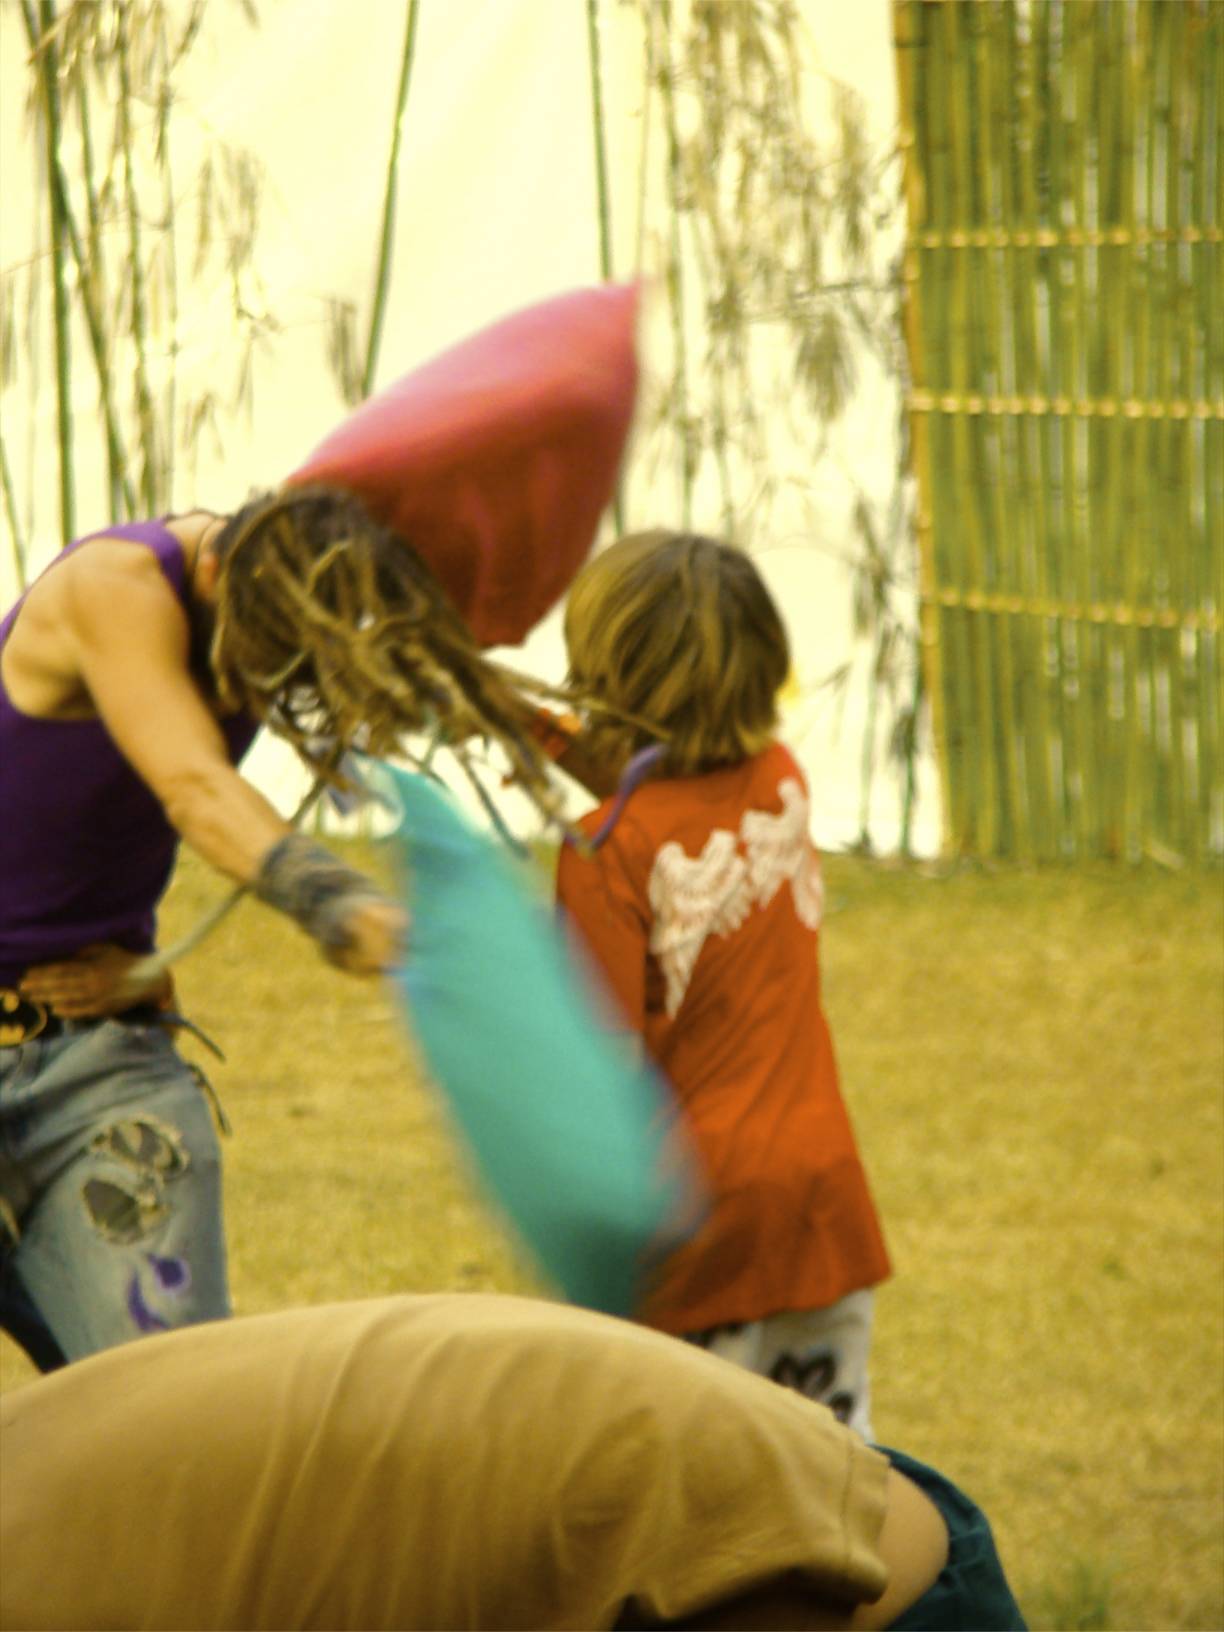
(85, 849)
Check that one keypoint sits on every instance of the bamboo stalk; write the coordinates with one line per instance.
(1041, 152)
(169, 244)
(1056, 478)
(675, 267)
(40, 30)
(1204, 273)
(382, 280)
(89, 183)
(648, 90)
(946, 462)
(1077, 544)
(87, 259)
(1093, 642)
(603, 207)
(139, 316)
(1182, 471)
(717, 363)
(928, 339)
(1008, 635)
(32, 353)
(930, 668)
(14, 521)
(1105, 516)
(946, 518)
(931, 97)
(1028, 635)
(1019, 214)
(602, 194)
(1170, 534)
(1109, 89)
(1190, 483)
(1137, 163)
(1211, 328)
(91, 259)
(1149, 190)
(715, 263)
(1095, 444)
(1030, 239)
(1050, 770)
(1209, 438)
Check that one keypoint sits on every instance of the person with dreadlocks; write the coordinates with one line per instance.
(348, 609)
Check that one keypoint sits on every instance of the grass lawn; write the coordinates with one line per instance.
(1035, 1064)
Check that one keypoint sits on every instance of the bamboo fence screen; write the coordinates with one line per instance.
(1065, 325)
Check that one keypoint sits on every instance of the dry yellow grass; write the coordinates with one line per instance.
(1035, 1065)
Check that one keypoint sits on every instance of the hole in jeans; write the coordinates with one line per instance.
(143, 1142)
(124, 1213)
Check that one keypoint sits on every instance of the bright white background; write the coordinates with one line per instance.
(496, 208)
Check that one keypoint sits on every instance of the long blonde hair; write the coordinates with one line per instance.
(676, 635)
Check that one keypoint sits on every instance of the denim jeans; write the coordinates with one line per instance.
(110, 1190)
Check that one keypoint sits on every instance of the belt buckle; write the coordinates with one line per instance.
(21, 1018)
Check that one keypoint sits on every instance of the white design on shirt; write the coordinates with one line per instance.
(773, 843)
(692, 898)
(778, 850)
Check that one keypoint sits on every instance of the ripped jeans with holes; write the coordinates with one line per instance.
(110, 1192)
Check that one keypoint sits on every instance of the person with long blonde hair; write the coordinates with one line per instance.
(700, 897)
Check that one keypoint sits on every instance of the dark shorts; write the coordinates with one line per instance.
(971, 1594)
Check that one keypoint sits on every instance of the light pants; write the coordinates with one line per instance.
(110, 1189)
(822, 1353)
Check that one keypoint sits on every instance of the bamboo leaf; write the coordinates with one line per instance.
(342, 356)
(204, 215)
(824, 364)
(8, 330)
(41, 31)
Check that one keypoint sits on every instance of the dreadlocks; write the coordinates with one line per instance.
(331, 627)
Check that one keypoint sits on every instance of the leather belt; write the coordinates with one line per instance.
(22, 1019)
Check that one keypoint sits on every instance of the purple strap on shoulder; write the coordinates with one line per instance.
(632, 777)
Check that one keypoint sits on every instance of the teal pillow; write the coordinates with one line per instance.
(572, 1136)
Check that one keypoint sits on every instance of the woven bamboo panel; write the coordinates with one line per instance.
(1065, 324)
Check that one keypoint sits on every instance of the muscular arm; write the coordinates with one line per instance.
(130, 640)
(118, 645)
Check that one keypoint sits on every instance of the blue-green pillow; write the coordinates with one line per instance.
(571, 1135)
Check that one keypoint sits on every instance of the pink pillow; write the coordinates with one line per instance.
(496, 459)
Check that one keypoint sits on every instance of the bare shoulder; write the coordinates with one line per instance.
(109, 591)
(113, 562)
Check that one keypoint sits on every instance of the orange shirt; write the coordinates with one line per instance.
(702, 910)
